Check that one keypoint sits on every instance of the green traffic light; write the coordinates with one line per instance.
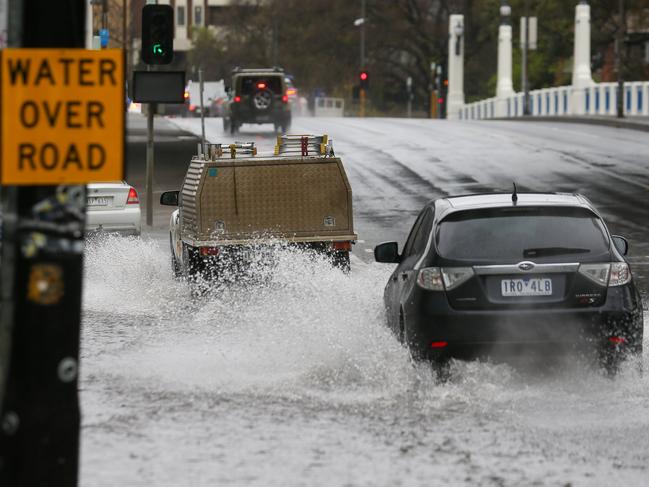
(157, 49)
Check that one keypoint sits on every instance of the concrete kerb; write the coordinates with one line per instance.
(625, 123)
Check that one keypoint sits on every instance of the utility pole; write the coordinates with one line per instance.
(201, 87)
(524, 64)
(409, 94)
(619, 58)
(274, 43)
(42, 257)
(362, 95)
(433, 90)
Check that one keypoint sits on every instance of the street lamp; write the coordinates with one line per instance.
(458, 30)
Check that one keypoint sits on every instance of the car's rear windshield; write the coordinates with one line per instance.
(534, 233)
(251, 84)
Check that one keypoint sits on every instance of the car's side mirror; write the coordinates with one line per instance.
(621, 244)
(169, 198)
(387, 252)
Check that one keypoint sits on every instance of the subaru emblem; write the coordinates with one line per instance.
(526, 266)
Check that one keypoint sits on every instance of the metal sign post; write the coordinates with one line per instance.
(150, 161)
(49, 151)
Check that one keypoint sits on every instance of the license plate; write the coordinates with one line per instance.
(532, 286)
(99, 201)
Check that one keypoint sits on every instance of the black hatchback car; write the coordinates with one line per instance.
(502, 274)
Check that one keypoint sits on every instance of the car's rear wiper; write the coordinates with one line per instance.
(546, 251)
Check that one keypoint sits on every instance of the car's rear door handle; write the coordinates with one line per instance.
(404, 276)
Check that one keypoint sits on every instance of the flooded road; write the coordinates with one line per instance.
(294, 380)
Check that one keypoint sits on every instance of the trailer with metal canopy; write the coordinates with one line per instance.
(234, 201)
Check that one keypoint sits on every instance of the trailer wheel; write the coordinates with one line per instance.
(341, 260)
(175, 268)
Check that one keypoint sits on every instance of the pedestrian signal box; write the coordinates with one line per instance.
(157, 34)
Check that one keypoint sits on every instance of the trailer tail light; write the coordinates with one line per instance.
(341, 245)
(132, 197)
(439, 345)
(285, 98)
(209, 251)
(237, 99)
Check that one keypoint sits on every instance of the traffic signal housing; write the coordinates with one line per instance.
(157, 34)
(364, 80)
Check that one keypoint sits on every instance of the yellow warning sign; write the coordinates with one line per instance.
(63, 116)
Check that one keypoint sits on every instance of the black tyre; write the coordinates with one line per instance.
(226, 124)
(233, 127)
(175, 268)
(341, 260)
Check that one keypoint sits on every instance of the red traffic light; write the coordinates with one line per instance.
(363, 76)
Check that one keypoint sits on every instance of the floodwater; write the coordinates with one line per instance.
(292, 379)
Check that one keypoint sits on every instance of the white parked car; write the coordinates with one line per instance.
(113, 207)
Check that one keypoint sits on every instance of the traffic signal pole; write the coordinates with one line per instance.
(150, 162)
(42, 257)
(157, 48)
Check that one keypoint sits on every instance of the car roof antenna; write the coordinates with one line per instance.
(515, 194)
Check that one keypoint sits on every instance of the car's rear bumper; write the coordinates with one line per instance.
(508, 331)
(248, 116)
(126, 221)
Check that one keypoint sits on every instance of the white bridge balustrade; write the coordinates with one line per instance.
(329, 107)
(583, 97)
(600, 99)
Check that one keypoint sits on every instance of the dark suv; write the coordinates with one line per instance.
(502, 274)
(257, 96)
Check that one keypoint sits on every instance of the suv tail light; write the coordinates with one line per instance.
(455, 276)
(611, 275)
(285, 98)
(132, 197)
(620, 274)
(436, 279)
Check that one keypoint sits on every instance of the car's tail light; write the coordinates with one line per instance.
(192, 108)
(597, 273)
(341, 245)
(617, 340)
(436, 279)
(186, 95)
(620, 274)
(132, 197)
(430, 278)
(455, 276)
(237, 99)
(285, 98)
(611, 275)
(439, 345)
